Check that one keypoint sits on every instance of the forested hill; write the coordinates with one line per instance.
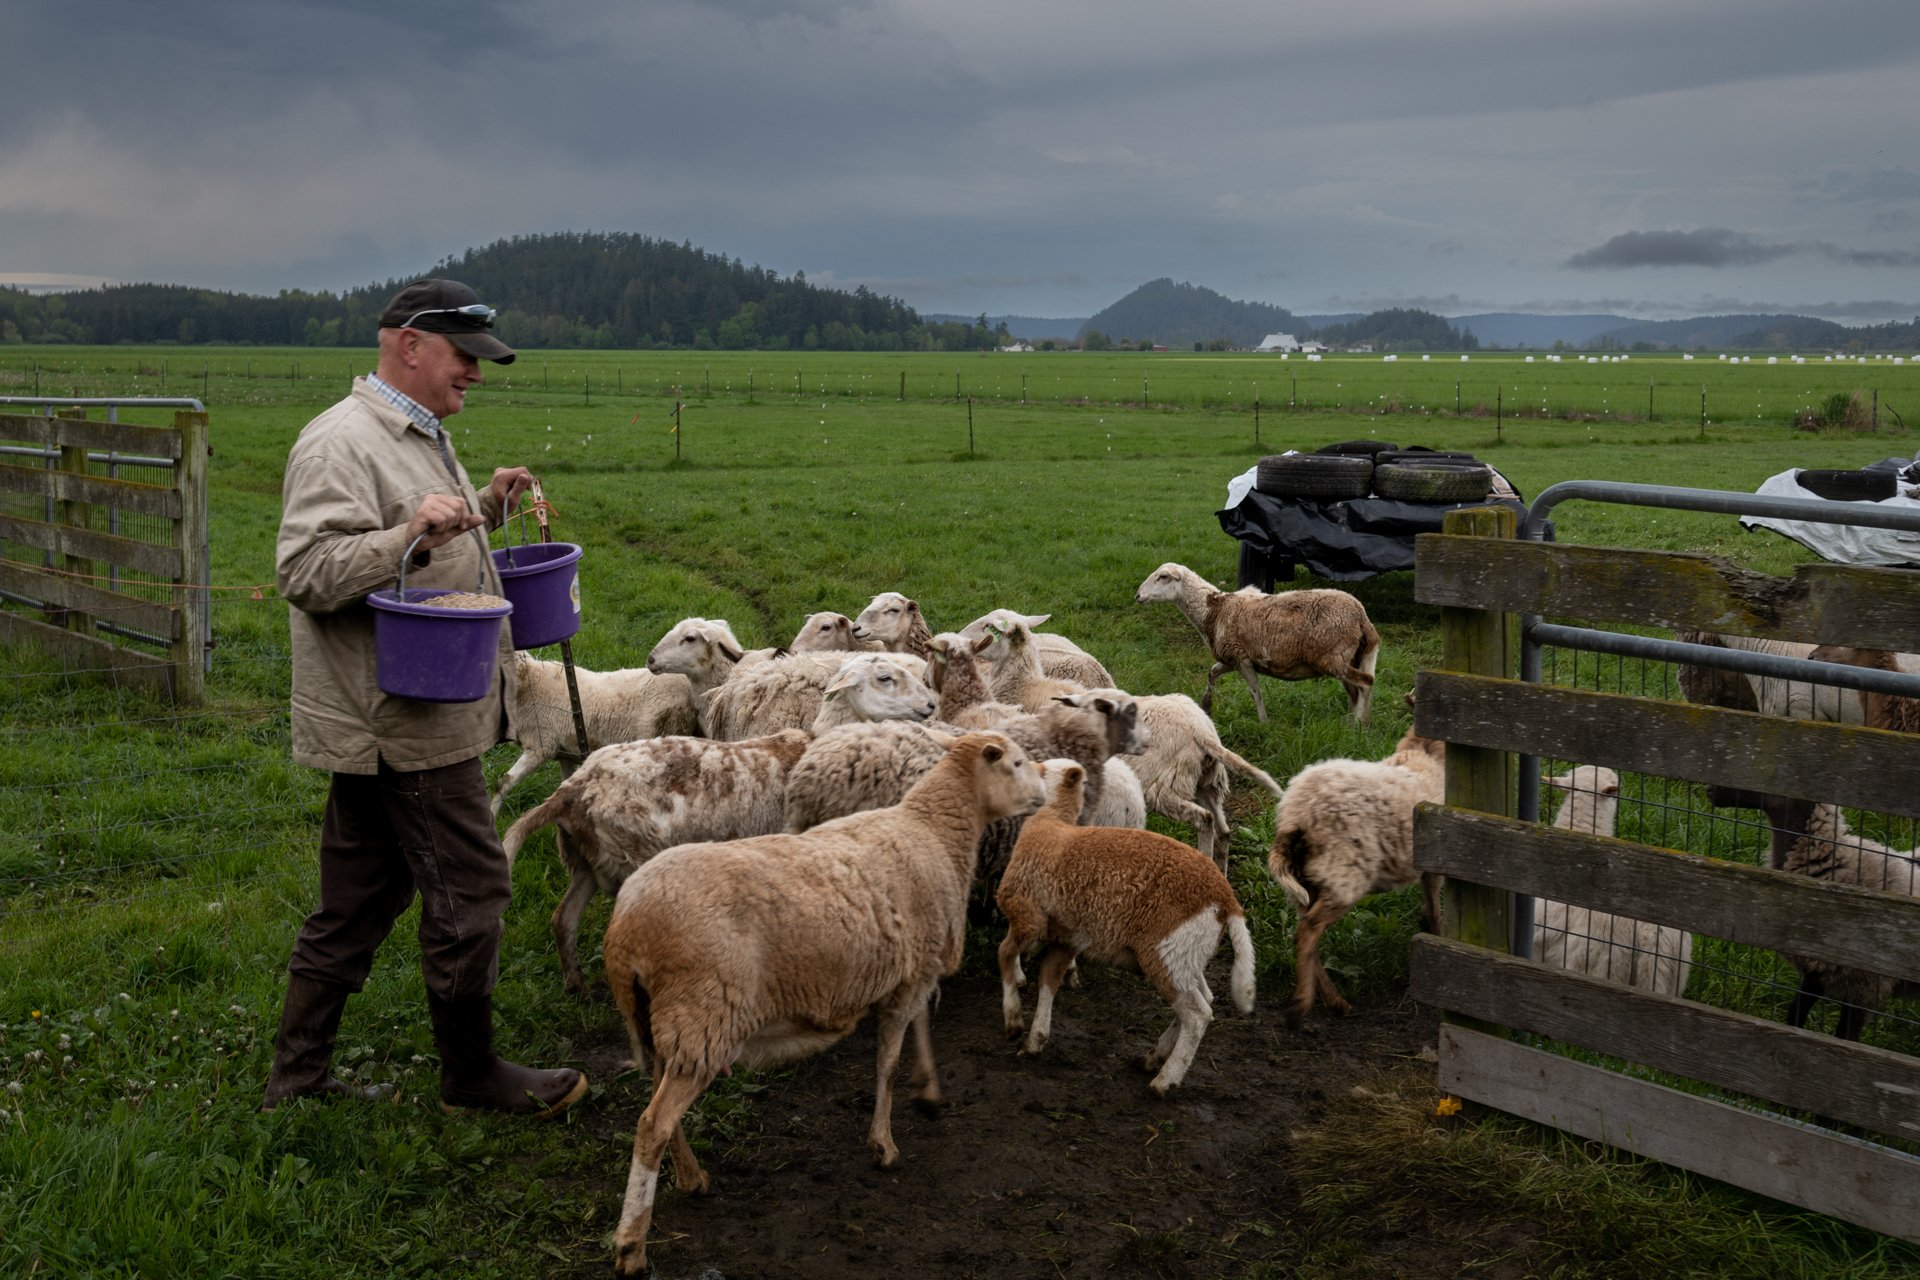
(1179, 315)
(1400, 329)
(570, 289)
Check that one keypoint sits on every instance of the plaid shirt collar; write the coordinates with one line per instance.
(418, 413)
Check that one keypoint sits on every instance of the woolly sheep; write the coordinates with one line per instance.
(1183, 770)
(825, 632)
(1343, 830)
(633, 799)
(895, 623)
(1878, 710)
(1641, 954)
(765, 950)
(1296, 635)
(789, 692)
(617, 706)
(1799, 699)
(1132, 898)
(703, 650)
(1018, 676)
(1060, 657)
(1812, 839)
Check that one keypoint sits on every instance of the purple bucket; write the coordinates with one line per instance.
(434, 655)
(542, 579)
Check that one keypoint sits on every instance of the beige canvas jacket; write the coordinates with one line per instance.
(354, 478)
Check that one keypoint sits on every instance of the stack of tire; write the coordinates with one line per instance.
(1360, 468)
(1850, 486)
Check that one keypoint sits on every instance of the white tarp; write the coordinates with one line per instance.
(1843, 543)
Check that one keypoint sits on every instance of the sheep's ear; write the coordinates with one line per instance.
(733, 651)
(1560, 782)
(940, 739)
(992, 753)
(1611, 789)
(1035, 620)
(913, 606)
(842, 679)
(980, 645)
(1073, 775)
(1409, 699)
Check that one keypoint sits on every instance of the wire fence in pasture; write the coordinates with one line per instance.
(1824, 392)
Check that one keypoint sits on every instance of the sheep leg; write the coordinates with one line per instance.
(891, 1032)
(673, 1092)
(1191, 1012)
(566, 921)
(1812, 987)
(526, 764)
(1010, 976)
(1310, 973)
(926, 1073)
(1853, 1020)
(1430, 882)
(1158, 1055)
(1206, 699)
(1052, 969)
(1252, 677)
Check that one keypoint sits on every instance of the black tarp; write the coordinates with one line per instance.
(1344, 540)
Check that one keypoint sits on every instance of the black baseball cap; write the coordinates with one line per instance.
(450, 308)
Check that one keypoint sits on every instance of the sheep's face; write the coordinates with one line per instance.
(693, 646)
(822, 632)
(1010, 785)
(1005, 642)
(880, 686)
(1168, 582)
(887, 619)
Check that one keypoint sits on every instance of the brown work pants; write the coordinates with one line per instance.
(386, 836)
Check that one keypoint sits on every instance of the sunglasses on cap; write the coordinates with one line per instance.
(473, 311)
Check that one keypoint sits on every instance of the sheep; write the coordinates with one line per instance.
(1296, 635)
(1800, 699)
(1811, 839)
(1344, 829)
(895, 622)
(872, 686)
(616, 706)
(633, 799)
(1018, 677)
(1183, 770)
(765, 950)
(789, 692)
(1652, 957)
(826, 632)
(1878, 710)
(1133, 898)
(1060, 657)
(704, 651)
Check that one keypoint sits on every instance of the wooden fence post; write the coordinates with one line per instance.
(189, 649)
(1483, 643)
(74, 514)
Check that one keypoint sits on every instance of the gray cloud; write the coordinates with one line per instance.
(1710, 247)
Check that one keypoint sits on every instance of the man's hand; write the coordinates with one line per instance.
(508, 484)
(442, 518)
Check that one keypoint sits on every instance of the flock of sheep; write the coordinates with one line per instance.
(795, 838)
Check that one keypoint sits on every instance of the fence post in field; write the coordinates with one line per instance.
(1483, 643)
(1876, 408)
(903, 387)
(189, 649)
(1499, 430)
(1023, 386)
(73, 514)
(969, 426)
(589, 381)
(1649, 399)
(1256, 420)
(1703, 411)
(676, 424)
(956, 384)
(1293, 398)
(1456, 397)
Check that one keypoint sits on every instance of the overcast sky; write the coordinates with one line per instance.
(1034, 157)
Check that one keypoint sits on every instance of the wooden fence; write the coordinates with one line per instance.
(1748, 1075)
(115, 568)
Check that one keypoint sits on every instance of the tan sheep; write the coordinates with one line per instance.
(1060, 657)
(1343, 830)
(761, 951)
(1296, 635)
(1132, 898)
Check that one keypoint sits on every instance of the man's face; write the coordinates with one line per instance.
(444, 373)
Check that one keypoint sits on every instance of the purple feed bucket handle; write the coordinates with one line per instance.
(432, 654)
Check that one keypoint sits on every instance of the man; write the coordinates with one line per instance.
(408, 811)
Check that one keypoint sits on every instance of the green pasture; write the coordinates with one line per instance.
(1665, 388)
(155, 863)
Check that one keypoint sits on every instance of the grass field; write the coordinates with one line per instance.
(155, 864)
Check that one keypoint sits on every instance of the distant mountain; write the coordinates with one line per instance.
(1032, 328)
(1313, 324)
(1400, 329)
(1179, 315)
(1516, 329)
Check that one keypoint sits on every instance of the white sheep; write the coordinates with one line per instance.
(765, 950)
(629, 801)
(1017, 674)
(1296, 635)
(894, 622)
(1132, 898)
(1343, 830)
(789, 692)
(703, 650)
(1183, 769)
(1641, 954)
(1060, 657)
(826, 632)
(1800, 699)
(1897, 712)
(616, 706)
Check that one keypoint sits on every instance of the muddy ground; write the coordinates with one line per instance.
(1061, 1166)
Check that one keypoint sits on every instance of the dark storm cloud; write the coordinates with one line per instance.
(1720, 247)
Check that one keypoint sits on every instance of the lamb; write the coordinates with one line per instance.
(1183, 770)
(789, 692)
(1652, 957)
(1133, 898)
(633, 799)
(617, 706)
(1060, 657)
(1344, 829)
(1296, 635)
(765, 950)
(1811, 839)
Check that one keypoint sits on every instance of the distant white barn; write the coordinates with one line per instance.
(1279, 342)
(1019, 345)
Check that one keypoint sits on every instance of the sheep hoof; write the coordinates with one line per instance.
(631, 1259)
(1159, 1090)
(885, 1154)
(697, 1185)
(1015, 1026)
(1033, 1046)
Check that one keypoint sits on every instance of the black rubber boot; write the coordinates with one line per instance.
(474, 1078)
(303, 1049)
